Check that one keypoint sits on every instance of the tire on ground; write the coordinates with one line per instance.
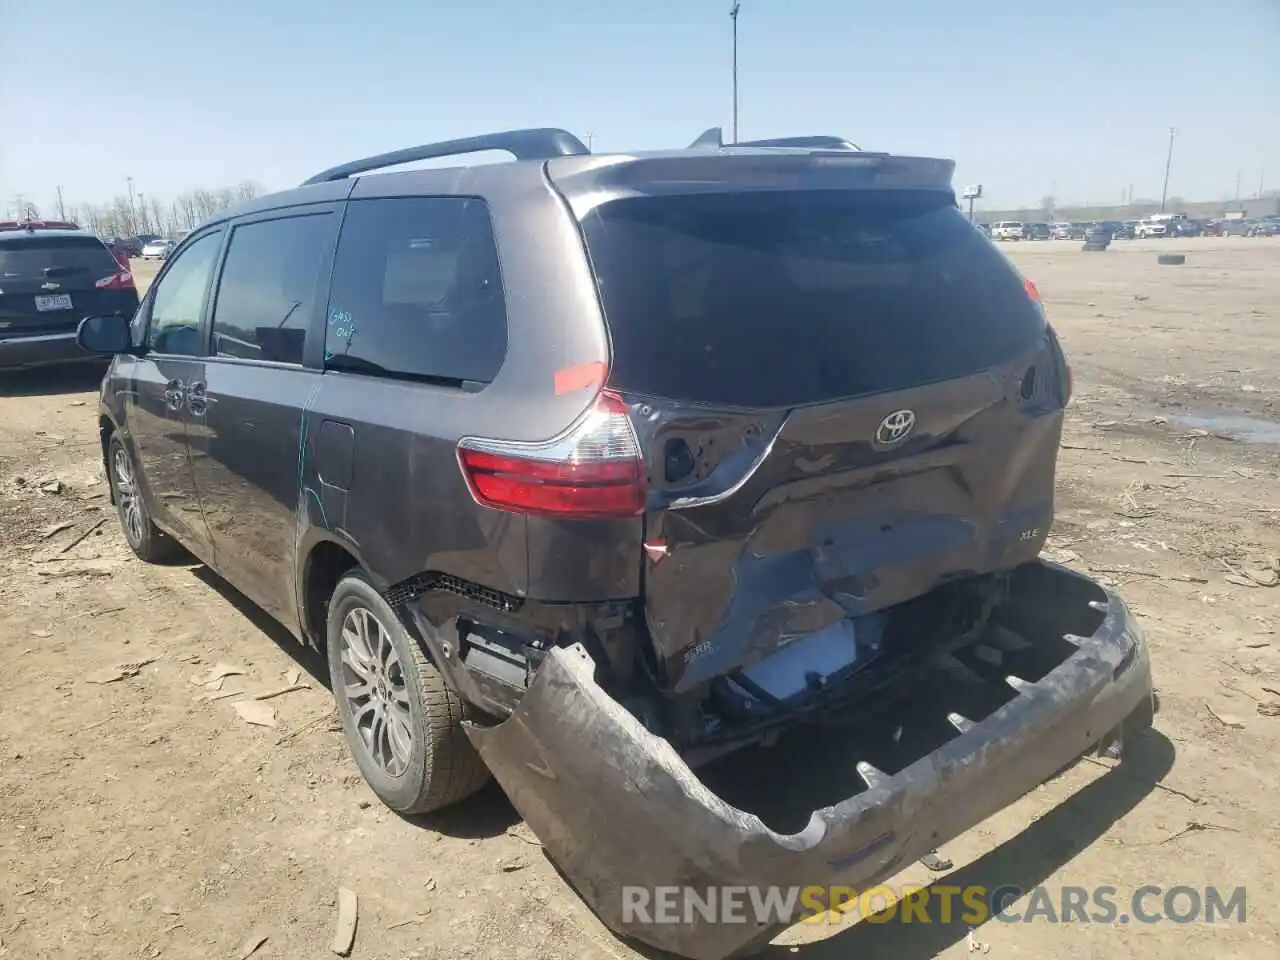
(150, 544)
(443, 767)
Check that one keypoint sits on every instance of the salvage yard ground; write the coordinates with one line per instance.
(144, 814)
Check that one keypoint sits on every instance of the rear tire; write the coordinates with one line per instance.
(402, 723)
(146, 540)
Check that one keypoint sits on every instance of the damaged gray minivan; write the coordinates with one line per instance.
(645, 483)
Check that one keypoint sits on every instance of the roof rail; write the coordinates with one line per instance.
(537, 144)
(31, 226)
(713, 139)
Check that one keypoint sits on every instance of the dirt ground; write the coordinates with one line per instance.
(142, 817)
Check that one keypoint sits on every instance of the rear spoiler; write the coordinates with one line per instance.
(587, 185)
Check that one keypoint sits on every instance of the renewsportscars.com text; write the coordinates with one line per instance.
(937, 903)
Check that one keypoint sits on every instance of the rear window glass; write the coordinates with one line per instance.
(416, 292)
(793, 297)
(70, 257)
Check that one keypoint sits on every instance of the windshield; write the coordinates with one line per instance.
(61, 256)
(795, 297)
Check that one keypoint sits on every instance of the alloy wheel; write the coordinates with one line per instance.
(373, 683)
(128, 497)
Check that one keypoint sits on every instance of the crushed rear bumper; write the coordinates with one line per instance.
(616, 806)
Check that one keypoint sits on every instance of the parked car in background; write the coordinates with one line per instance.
(985, 228)
(1007, 230)
(540, 536)
(1149, 228)
(131, 246)
(1211, 228)
(1237, 228)
(1186, 227)
(1036, 231)
(1060, 231)
(1125, 230)
(52, 275)
(158, 249)
(1269, 227)
(119, 249)
(1097, 236)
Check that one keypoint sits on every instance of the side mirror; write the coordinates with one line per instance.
(108, 334)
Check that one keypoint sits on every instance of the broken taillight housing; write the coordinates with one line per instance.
(1063, 369)
(120, 280)
(594, 470)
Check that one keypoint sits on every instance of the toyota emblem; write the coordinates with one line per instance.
(895, 428)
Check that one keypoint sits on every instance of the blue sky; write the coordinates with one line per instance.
(1030, 97)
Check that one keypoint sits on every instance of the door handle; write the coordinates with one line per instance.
(198, 399)
(175, 392)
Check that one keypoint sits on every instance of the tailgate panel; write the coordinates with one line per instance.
(829, 524)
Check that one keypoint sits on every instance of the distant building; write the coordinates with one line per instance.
(1261, 207)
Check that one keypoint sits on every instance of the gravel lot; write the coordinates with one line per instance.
(139, 817)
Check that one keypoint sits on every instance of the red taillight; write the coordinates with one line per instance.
(1032, 293)
(121, 280)
(593, 471)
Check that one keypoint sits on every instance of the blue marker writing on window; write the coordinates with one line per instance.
(342, 326)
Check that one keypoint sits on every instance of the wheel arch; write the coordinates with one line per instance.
(323, 561)
(106, 430)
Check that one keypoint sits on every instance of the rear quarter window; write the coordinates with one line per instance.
(417, 292)
(796, 297)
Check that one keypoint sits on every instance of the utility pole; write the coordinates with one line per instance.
(1168, 162)
(733, 15)
(62, 211)
(589, 135)
(1261, 178)
(133, 214)
(1237, 188)
(142, 207)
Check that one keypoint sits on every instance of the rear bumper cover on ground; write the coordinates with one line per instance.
(41, 350)
(616, 806)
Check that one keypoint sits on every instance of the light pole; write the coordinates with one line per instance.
(1168, 162)
(133, 214)
(733, 15)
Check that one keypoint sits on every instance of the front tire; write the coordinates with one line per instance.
(143, 537)
(403, 725)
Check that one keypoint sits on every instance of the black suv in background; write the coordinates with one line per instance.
(594, 471)
(52, 275)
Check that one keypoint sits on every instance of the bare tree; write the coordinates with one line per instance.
(122, 218)
(1048, 203)
(159, 221)
(247, 190)
(23, 209)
